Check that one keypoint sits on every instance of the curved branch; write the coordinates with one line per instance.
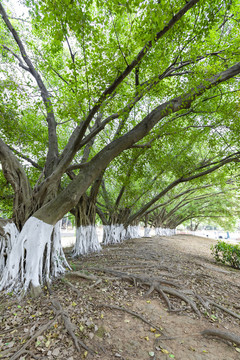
(77, 135)
(70, 196)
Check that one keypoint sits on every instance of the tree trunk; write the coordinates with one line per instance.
(35, 257)
(147, 231)
(164, 231)
(113, 234)
(86, 233)
(8, 236)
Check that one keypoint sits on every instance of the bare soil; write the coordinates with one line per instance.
(107, 305)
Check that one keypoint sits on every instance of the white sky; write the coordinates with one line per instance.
(17, 8)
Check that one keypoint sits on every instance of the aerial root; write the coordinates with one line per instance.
(223, 335)
(131, 313)
(69, 326)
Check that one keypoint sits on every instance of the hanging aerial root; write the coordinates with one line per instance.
(222, 335)
(69, 326)
(131, 313)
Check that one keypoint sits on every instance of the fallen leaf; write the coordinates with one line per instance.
(157, 335)
(56, 352)
(146, 338)
(152, 329)
(10, 344)
(237, 349)
(165, 351)
(191, 348)
(151, 353)
(47, 344)
(148, 301)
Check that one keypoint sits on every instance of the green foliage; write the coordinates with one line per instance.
(81, 47)
(227, 254)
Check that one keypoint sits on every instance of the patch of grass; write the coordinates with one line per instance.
(227, 254)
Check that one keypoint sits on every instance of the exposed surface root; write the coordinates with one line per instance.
(223, 335)
(131, 313)
(223, 308)
(136, 279)
(155, 283)
(69, 326)
(81, 275)
(72, 287)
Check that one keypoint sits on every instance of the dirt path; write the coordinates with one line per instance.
(92, 303)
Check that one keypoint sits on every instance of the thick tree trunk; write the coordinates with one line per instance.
(35, 257)
(147, 231)
(133, 232)
(8, 236)
(86, 233)
(164, 231)
(114, 234)
(86, 241)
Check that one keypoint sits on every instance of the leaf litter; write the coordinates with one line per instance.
(129, 326)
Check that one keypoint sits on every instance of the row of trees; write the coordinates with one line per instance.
(129, 111)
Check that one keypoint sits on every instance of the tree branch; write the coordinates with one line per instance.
(26, 158)
(77, 135)
(52, 136)
(70, 196)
